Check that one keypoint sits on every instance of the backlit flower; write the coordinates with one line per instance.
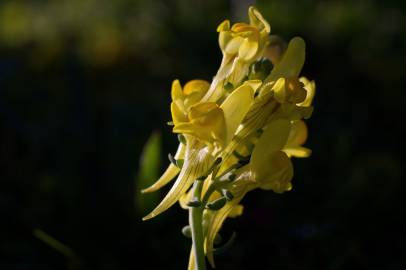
(239, 132)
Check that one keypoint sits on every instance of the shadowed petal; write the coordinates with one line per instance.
(217, 221)
(292, 61)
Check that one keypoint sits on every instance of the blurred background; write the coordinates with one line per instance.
(85, 83)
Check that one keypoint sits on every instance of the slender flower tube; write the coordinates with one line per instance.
(238, 132)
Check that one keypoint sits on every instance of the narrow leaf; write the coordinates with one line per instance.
(150, 161)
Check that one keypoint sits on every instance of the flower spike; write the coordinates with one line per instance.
(238, 132)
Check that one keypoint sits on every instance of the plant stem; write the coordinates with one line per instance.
(195, 222)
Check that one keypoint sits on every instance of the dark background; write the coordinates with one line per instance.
(83, 84)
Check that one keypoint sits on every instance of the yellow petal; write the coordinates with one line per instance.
(185, 198)
(217, 221)
(238, 71)
(192, 99)
(208, 121)
(202, 109)
(169, 173)
(289, 90)
(228, 160)
(231, 209)
(255, 119)
(243, 28)
(178, 115)
(258, 20)
(200, 86)
(235, 107)
(185, 128)
(297, 151)
(216, 90)
(272, 140)
(292, 61)
(298, 133)
(224, 39)
(255, 84)
(224, 26)
(176, 91)
(192, 262)
(233, 45)
(236, 211)
(197, 162)
(310, 87)
(248, 49)
(244, 182)
(277, 174)
(280, 90)
(292, 112)
(194, 91)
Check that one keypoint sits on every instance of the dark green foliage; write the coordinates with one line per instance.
(148, 173)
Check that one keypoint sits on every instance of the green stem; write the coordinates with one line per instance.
(209, 191)
(195, 222)
(216, 184)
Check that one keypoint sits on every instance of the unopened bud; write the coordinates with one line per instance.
(186, 231)
(217, 204)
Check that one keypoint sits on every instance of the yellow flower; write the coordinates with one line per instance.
(242, 44)
(204, 121)
(238, 134)
(244, 41)
(183, 99)
(212, 123)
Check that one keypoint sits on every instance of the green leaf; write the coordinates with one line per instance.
(73, 262)
(52, 242)
(148, 173)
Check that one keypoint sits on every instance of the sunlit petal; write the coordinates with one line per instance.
(193, 86)
(310, 87)
(178, 115)
(176, 91)
(235, 107)
(169, 173)
(297, 151)
(258, 20)
(248, 49)
(192, 261)
(197, 162)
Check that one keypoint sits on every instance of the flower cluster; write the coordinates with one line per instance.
(238, 132)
